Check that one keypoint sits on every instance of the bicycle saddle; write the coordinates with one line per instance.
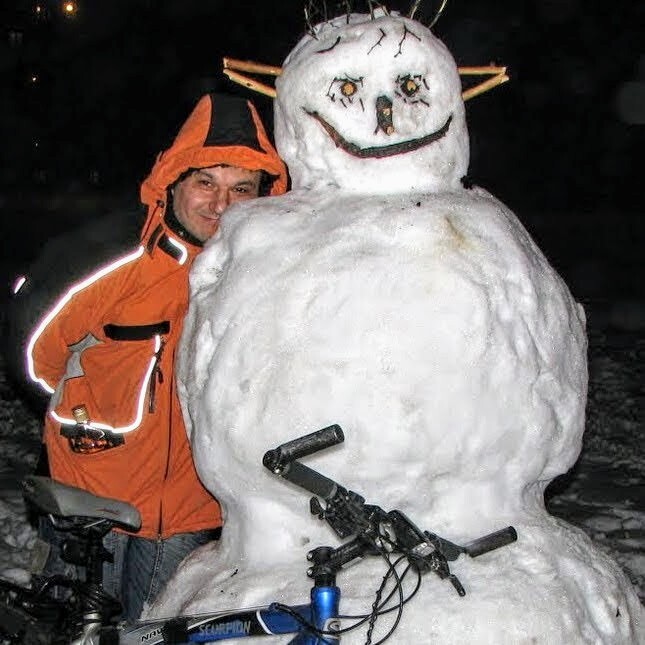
(61, 500)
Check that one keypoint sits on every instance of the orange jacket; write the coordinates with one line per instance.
(109, 343)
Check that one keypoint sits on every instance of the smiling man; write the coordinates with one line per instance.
(200, 198)
(105, 352)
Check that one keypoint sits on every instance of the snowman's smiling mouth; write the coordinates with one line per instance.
(379, 151)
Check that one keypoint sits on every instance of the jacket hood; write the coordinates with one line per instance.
(220, 130)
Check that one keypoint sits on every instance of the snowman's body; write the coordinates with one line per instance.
(382, 295)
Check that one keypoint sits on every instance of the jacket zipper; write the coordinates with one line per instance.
(156, 376)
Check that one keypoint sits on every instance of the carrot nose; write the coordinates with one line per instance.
(384, 115)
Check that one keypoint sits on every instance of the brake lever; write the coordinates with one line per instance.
(414, 540)
(448, 549)
(437, 563)
(427, 551)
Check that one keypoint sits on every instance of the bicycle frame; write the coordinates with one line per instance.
(270, 620)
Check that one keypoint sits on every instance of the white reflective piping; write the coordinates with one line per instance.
(62, 302)
(140, 404)
(17, 285)
(264, 626)
(182, 249)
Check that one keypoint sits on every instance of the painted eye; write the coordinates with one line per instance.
(348, 88)
(409, 86)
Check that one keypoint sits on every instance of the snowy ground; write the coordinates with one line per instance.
(604, 494)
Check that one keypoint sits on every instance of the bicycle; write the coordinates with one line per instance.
(90, 617)
(38, 616)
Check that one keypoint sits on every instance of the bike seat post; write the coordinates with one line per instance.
(85, 549)
(96, 554)
(96, 609)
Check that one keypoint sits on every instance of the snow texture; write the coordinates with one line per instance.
(381, 295)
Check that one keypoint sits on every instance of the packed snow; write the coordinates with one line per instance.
(382, 295)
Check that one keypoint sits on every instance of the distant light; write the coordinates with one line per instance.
(70, 8)
(15, 38)
(40, 11)
(17, 285)
(34, 78)
(36, 144)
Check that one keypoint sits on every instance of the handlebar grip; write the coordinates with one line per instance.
(491, 541)
(279, 457)
(310, 480)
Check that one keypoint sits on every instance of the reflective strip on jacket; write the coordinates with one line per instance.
(127, 386)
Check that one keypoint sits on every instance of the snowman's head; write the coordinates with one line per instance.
(372, 105)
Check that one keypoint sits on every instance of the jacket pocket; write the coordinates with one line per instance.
(115, 378)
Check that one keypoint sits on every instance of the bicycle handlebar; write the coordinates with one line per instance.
(347, 514)
(310, 480)
(491, 542)
(275, 460)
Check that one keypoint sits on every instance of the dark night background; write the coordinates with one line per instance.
(89, 99)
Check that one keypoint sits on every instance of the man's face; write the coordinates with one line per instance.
(203, 196)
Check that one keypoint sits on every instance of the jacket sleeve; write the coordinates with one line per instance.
(78, 313)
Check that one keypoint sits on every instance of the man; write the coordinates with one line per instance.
(105, 351)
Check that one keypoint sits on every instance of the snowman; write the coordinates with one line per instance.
(386, 296)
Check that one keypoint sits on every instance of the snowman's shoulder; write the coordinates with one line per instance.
(479, 210)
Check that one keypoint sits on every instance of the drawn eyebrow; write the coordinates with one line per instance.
(328, 49)
(378, 42)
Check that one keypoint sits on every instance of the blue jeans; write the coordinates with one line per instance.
(149, 564)
(141, 567)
